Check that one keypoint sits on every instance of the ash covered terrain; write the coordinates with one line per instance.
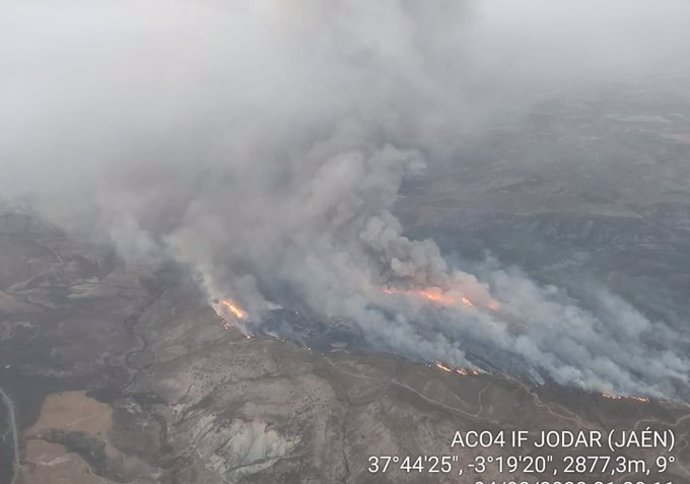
(263, 242)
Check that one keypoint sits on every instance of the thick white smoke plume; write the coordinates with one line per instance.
(264, 144)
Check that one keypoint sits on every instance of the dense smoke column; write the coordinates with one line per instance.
(264, 146)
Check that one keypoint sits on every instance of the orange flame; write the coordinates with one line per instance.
(233, 308)
(444, 298)
(458, 371)
(435, 294)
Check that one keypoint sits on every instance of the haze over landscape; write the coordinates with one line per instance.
(493, 188)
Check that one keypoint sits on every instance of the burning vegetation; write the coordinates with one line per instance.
(231, 314)
(446, 298)
(459, 371)
(611, 396)
(233, 309)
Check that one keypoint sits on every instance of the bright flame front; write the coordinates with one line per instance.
(233, 309)
(231, 314)
(612, 396)
(458, 371)
(448, 298)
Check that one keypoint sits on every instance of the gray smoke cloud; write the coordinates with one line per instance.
(264, 144)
